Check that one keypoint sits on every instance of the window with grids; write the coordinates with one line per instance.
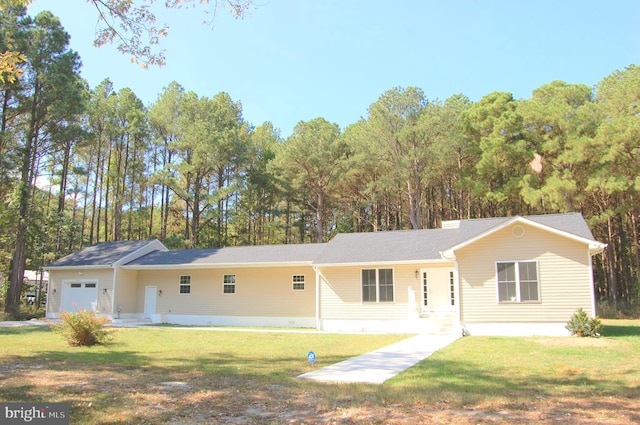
(377, 285)
(229, 284)
(298, 282)
(185, 284)
(518, 281)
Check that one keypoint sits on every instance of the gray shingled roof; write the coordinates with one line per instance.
(421, 245)
(262, 254)
(100, 254)
(572, 223)
(400, 245)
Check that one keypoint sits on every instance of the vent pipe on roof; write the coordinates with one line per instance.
(451, 224)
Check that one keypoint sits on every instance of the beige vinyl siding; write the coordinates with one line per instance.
(104, 277)
(341, 293)
(563, 267)
(126, 291)
(263, 292)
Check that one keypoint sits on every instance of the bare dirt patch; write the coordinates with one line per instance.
(156, 396)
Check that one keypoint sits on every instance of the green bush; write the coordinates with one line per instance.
(83, 328)
(582, 325)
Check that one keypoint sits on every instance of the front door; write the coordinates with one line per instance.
(437, 287)
(150, 293)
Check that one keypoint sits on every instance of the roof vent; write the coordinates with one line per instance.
(451, 224)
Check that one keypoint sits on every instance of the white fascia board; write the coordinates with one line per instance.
(215, 266)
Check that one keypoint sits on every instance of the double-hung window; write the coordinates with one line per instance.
(185, 284)
(229, 284)
(377, 285)
(298, 282)
(518, 281)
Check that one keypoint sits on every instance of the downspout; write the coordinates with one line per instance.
(113, 290)
(318, 326)
(592, 285)
(457, 293)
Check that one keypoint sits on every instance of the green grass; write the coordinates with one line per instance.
(123, 382)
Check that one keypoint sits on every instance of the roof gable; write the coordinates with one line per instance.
(104, 254)
(571, 225)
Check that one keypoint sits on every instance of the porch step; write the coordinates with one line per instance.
(439, 324)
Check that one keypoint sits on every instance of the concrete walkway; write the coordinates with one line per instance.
(385, 363)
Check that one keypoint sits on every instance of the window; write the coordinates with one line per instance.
(185, 284)
(229, 284)
(298, 282)
(377, 285)
(518, 281)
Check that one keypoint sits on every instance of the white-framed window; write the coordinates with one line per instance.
(377, 285)
(298, 282)
(229, 284)
(518, 281)
(185, 284)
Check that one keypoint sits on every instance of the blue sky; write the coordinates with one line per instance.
(295, 60)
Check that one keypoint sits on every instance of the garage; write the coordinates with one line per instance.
(80, 296)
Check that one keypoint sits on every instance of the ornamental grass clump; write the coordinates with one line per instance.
(582, 325)
(83, 328)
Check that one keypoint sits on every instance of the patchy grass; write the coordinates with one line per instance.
(188, 376)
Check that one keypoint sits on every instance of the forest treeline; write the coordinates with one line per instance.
(82, 165)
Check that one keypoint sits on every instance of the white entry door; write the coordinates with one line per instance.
(150, 294)
(437, 287)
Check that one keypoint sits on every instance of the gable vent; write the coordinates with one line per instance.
(451, 224)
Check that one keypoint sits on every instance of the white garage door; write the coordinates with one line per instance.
(80, 296)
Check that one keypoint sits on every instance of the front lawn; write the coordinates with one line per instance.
(177, 376)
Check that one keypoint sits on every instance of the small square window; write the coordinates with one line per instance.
(229, 284)
(298, 282)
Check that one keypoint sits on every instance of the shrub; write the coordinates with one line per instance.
(83, 328)
(582, 325)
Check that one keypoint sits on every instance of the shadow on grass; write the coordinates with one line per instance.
(432, 378)
(615, 330)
